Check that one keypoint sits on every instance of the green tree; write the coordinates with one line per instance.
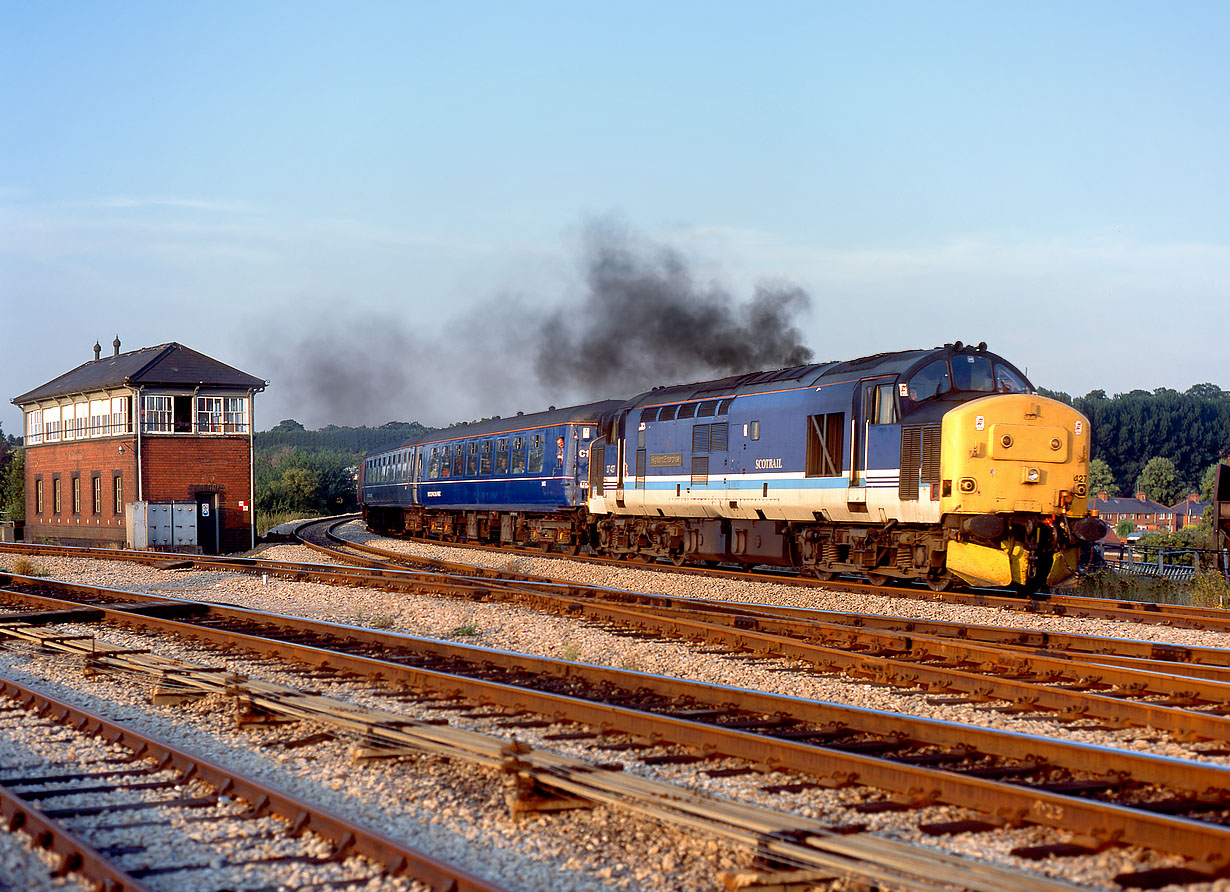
(1207, 482)
(12, 481)
(1123, 527)
(1101, 479)
(1159, 481)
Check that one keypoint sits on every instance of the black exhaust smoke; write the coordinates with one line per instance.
(643, 321)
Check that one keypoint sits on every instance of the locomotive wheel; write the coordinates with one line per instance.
(940, 583)
(679, 559)
(877, 578)
(823, 575)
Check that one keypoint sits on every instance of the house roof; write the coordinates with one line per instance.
(167, 365)
(1129, 506)
(1190, 508)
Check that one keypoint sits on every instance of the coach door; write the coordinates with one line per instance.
(416, 471)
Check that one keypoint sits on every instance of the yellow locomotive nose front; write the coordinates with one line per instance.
(1014, 471)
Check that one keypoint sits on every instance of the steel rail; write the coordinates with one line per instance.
(1107, 821)
(1211, 618)
(791, 838)
(347, 837)
(1045, 604)
(988, 683)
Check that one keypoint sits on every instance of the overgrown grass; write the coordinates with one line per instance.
(465, 630)
(267, 520)
(25, 567)
(1207, 589)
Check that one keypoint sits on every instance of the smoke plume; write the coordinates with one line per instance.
(644, 321)
(637, 320)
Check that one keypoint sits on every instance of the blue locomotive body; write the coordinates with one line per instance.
(923, 464)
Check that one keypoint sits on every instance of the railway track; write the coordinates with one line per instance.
(1110, 796)
(137, 810)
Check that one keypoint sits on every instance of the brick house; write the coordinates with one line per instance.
(1189, 512)
(147, 448)
(1147, 515)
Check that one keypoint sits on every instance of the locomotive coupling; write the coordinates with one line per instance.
(984, 526)
(1090, 529)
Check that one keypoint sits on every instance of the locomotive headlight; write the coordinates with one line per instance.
(1031, 475)
(967, 484)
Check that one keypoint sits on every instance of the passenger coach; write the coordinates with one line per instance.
(517, 480)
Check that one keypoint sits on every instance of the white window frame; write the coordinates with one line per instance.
(157, 413)
(34, 427)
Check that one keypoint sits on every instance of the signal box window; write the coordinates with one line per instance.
(119, 493)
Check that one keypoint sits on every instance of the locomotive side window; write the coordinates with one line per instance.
(724, 406)
(972, 373)
(930, 381)
(755, 430)
(667, 413)
(518, 455)
(687, 410)
(1007, 381)
(707, 409)
(824, 441)
(880, 404)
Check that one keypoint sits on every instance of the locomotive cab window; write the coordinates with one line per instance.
(930, 381)
(1007, 381)
(972, 373)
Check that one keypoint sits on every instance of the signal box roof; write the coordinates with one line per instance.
(167, 365)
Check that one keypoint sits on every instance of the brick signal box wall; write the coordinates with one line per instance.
(177, 469)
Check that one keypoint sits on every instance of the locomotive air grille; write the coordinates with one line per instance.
(700, 438)
(931, 454)
(700, 470)
(640, 469)
(719, 437)
(911, 452)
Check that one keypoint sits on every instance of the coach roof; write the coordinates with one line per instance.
(167, 365)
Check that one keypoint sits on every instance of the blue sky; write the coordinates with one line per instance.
(285, 183)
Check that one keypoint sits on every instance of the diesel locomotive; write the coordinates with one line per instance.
(940, 465)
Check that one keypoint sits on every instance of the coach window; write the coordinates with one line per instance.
(536, 454)
(459, 459)
(518, 455)
(501, 456)
(484, 457)
(433, 464)
(472, 458)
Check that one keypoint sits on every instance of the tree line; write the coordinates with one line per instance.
(1165, 443)
(305, 472)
